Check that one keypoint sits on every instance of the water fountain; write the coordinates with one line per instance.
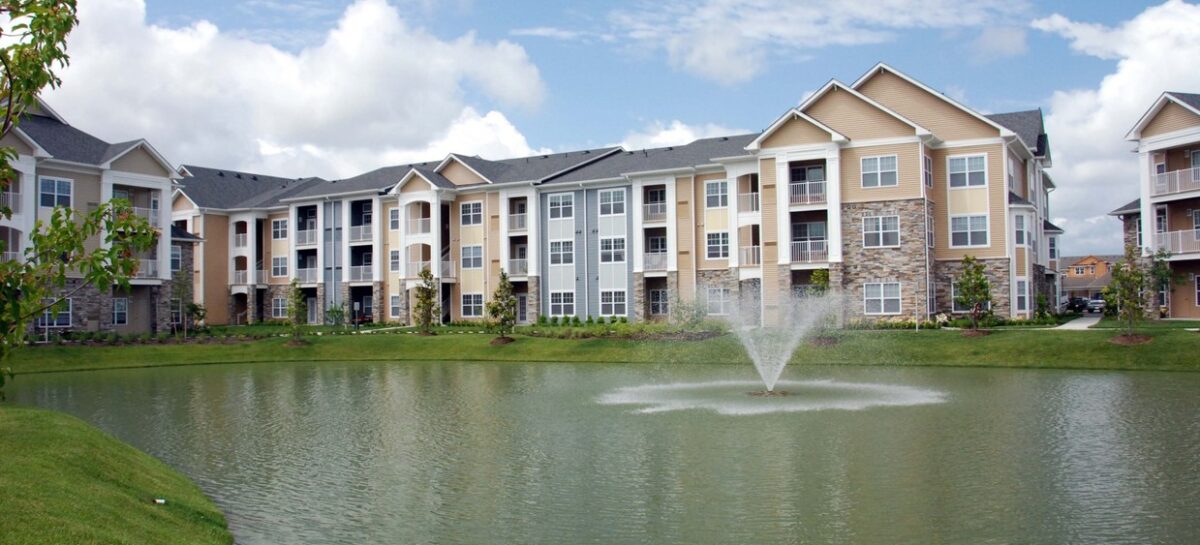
(771, 337)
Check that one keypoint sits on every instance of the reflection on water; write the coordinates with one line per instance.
(482, 453)
(732, 397)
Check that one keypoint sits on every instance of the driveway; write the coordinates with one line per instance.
(1082, 322)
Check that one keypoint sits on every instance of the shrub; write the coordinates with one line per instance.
(590, 321)
(554, 321)
(624, 320)
(541, 320)
(576, 322)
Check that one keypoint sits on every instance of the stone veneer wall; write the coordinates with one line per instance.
(379, 305)
(1129, 230)
(274, 291)
(641, 306)
(1042, 285)
(997, 271)
(905, 264)
(533, 299)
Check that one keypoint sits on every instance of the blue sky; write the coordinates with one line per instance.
(336, 88)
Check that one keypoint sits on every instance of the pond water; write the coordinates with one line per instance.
(341, 453)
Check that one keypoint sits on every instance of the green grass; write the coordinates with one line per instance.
(1170, 350)
(67, 482)
(1109, 322)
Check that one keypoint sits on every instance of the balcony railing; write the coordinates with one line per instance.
(418, 226)
(516, 222)
(748, 202)
(654, 211)
(750, 256)
(260, 276)
(240, 277)
(305, 237)
(360, 273)
(147, 268)
(448, 270)
(1177, 181)
(10, 256)
(415, 268)
(807, 193)
(1178, 242)
(239, 240)
(243, 277)
(306, 276)
(656, 261)
(518, 267)
(360, 233)
(11, 199)
(151, 215)
(809, 251)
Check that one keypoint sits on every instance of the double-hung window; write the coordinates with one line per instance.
(718, 245)
(1022, 295)
(612, 250)
(176, 311)
(881, 298)
(718, 301)
(279, 229)
(472, 305)
(279, 308)
(960, 308)
(881, 231)
(394, 260)
(656, 245)
(612, 303)
(56, 317)
(879, 171)
(472, 257)
(562, 303)
(120, 314)
(176, 257)
(1020, 234)
(471, 213)
(279, 266)
(658, 302)
(562, 206)
(716, 194)
(968, 171)
(968, 231)
(394, 304)
(394, 219)
(612, 202)
(562, 252)
(55, 192)
(929, 233)
(1053, 247)
(927, 172)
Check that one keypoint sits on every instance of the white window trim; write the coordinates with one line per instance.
(707, 254)
(462, 216)
(563, 200)
(394, 219)
(987, 231)
(550, 252)
(394, 306)
(563, 304)
(600, 202)
(899, 237)
(285, 267)
(725, 301)
(125, 301)
(624, 302)
(1197, 290)
(1019, 293)
(176, 250)
(462, 254)
(883, 299)
(284, 231)
(624, 250)
(1019, 226)
(663, 305)
(462, 305)
(724, 184)
(966, 157)
(954, 301)
(862, 172)
(56, 180)
(927, 170)
(394, 257)
(282, 309)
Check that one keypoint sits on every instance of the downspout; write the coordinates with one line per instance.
(587, 292)
(925, 195)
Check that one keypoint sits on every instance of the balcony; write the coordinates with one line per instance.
(151, 215)
(415, 267)
(1178, 242)
(12, 200)
(306, 276)
(1178, 181)
(748, 202)
(448, 270)
(260, 276)
(806, 193)
(809, 251)
(241, 277)
(361, 273)
(147, 268)
(360, 233)
(654, 211)
(10, 256)
(306, 237)
(518, 267)
(656, 261)
(750, 256)
(516, 222)
(239, 240)
(418, 226)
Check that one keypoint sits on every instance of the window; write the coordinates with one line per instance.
(120, 315)
(562, 206)
(879, 171)
(394, 304)
(968, 171)
(612, 303)
(1022, 295)
(656, 195)
(927, 161)
(1079, 271)
(472, 257)
(958, 308)
(176, 311)
(1053, 243)
(56, 317)
(881, 231)
(394, 219)
(612, 250)
(562, 303)
(1013, 165)
(279, 307)
(612, 202)
(55, 192)
(718, 301)
(1198, 290)
(176, 257)
(1160, 220)
(1020, 234)
(881, 298)
(1138, 227)
(929, 234)
(968, 231)
(718, 245)
(562, 252)
(472, 305)
(279, 229)
(472, 213)
(656, 245)
(658, 302)
(716, 194)
(279, 266)
(394, 259)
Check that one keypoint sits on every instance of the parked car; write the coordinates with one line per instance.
(1075, 304)
(1095, 305)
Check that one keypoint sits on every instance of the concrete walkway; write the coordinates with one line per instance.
(1082, 322)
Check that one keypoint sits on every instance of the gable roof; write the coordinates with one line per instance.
(1017, 200)
(223, 189)
(1050, 227)
(618, 165)
(1189, 101)
(1029, 127)
(791, 114)
(1004, 131)
(835, 84)
(180, 234)
(1131, 207)
(1070, 261)
(67, 143)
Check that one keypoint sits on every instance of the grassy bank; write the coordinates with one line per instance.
(1109, 322)
(67, 482)
(1170, 350)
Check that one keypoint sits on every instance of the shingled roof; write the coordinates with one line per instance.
(1029, 126)
(1191, 99)
(67, 143)
(1131, 207)
(224, 189)
(699, 152)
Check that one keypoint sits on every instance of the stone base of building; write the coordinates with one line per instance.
(997, 272)
(148, 310)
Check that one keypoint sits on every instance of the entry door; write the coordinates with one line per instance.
(519, 251)
(522, 311)
(312, 310)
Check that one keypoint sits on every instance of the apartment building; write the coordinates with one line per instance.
(1168, 147)
(58, 165)
(884, 183)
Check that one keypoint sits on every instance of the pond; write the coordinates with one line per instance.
(341, 453)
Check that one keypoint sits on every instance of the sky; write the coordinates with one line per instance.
(339, 87)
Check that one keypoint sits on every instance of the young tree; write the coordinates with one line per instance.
(502, 309)
(1160, 275)
(973, 290)
(820, 282)
(297, 309)
(32, 47)
(1129, 280)
(426, 306)
(181, 289)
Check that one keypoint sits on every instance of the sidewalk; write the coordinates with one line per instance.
(1082, 322)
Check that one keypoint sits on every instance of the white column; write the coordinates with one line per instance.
(783, 216)
(293, 226)
(638, 234)
(1146, 169)
(435, 231)
(106, 195)
(833, 214)
(378, 229)
(164, 245)
(533, 225)
(320, 238)
(672, 241)
(345, 241)
(504, 239)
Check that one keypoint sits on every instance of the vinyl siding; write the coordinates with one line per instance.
(141, 162)
(686, 232)
(908, 160)
(770, 236)
(997, 203)
(460, 175)
(931, 112)
(855, 118)
(796, 132)
(1170, 118)
(711, 220)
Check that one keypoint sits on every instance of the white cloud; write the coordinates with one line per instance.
(374, 89)
(731, 41)
(998, 42)
(1094, 168)
(675, 133)
(563, 34)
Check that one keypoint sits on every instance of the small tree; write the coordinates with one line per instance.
(335, 315)
(297, 309)
(1126, 291)
(1160, 275)
(820, 282)
(181, 290)
(426, 306)
(973, 290)
(502, 309)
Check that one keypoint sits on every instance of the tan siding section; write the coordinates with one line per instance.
(85, 192)
(1020, 184)
(459, 174)
(1183, 294)
(181, 204)
(491, 212)
(216, 268)
(1179, 214)
(908, 161)
(278, 248)
(796, 132)
(855, 118)
(415, 185)
(1022, 262)
(997, 203)
(1171, 117)
(685, 230)
(141, 162)
(940, 117)
(770, 239)
(11, 141)
(716, 219)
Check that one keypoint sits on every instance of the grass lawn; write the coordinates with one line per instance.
(1171, 349)
(67, 482)
(1108, 322)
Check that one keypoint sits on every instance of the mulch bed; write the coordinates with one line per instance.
(1131, 340)
(500, 341)
(824, 341)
